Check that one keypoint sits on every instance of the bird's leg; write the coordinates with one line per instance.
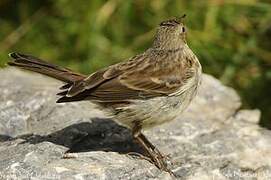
(155, 155)
(138, 155)
(149, 144)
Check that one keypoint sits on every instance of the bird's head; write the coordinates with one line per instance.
(170, 34)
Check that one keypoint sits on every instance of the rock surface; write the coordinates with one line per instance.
(213, 139)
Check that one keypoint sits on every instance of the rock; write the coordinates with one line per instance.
(213, 139)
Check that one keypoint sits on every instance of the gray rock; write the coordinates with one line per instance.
(213, 139)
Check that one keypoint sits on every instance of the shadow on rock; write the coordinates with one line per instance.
(4, 138)
(97, 135)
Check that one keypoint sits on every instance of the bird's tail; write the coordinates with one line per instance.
(37, 65)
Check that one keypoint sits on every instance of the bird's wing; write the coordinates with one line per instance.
(144, 76)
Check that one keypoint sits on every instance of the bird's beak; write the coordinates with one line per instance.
(180, 19)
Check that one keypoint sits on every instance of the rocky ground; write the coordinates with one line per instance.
(213, 139)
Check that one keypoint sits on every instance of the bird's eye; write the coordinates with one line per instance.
(183, 29)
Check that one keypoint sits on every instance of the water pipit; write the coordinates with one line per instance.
(146, 90)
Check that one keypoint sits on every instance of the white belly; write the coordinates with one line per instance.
(158, 110)
(151, 112)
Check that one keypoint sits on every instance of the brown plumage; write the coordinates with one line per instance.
(144, 91)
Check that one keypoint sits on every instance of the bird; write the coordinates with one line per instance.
(144, 91)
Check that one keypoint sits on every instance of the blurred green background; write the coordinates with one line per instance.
(231, 38)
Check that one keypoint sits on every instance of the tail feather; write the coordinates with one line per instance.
(37, 65)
